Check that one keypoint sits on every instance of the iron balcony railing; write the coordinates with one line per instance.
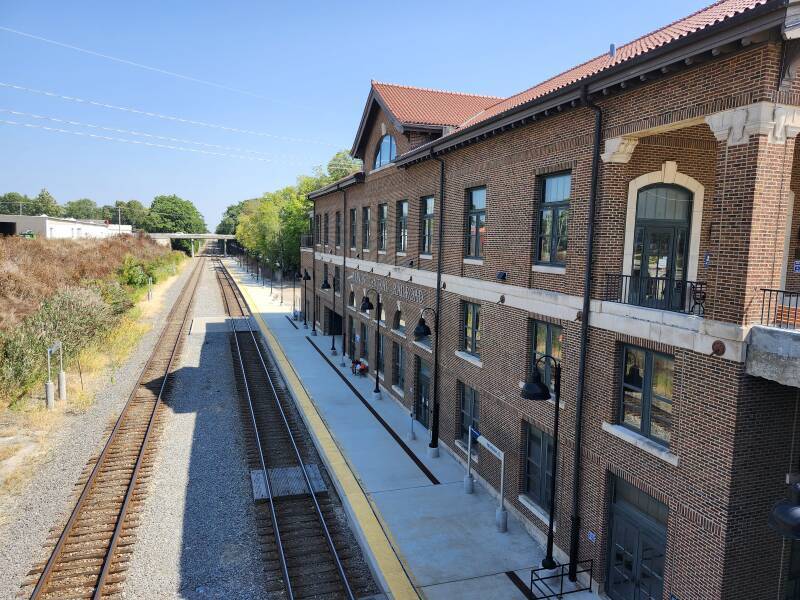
(780, 308)
(307, 241)
(664, 293)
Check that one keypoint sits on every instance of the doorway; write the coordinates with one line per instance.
(660, 247)
(638, 544)
(422, 400)
(334, 322)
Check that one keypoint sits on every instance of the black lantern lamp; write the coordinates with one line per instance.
(421, 331)
(785, 517)
(325, 285)
(366, 304)
(537, 390)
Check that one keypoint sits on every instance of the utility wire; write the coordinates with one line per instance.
(283, 158)
(154, 115)
(139, 65)
(135, 142)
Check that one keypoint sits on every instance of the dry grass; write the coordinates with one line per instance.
(31, 270)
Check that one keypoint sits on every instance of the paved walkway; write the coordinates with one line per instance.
(446, 539)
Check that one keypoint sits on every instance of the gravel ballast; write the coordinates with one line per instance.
(197, 537)
(27, 514)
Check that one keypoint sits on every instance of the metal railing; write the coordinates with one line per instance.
(780, 308)
(307, 241)
(555, 583)
(664, 293)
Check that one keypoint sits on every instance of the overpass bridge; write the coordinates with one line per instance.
(196, 236)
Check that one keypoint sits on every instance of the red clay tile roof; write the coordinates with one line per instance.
(422, 106)
(717, 12)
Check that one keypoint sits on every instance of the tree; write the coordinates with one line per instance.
(171, 214)
(82, 209)
(133, 213)
(14, 203)
(43, 204)
(271, 226)
(230, 218)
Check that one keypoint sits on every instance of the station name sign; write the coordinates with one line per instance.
(388, 286)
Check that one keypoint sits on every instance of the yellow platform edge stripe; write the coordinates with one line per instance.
(395, 576)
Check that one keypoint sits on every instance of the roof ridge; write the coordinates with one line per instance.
(427, 89)
(576, 68)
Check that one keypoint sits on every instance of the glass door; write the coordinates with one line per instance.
(423, 397)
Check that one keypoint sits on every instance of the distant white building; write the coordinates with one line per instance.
(59, 228)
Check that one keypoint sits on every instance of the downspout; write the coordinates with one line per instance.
(587, 283)
(314, 272)
(344, 269)
(433, 447)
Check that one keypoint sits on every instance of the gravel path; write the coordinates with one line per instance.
(197, 537)
(27, 515)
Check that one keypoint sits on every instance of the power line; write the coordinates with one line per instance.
(140, 65)
(150, 144)
(154, 115)
(295, 160)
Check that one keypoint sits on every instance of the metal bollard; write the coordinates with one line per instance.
(501, 519)
(50, 395)
(62, 386)
(411, 435)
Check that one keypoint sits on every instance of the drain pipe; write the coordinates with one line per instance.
(433, 447)
(344, 271)
(587, 283)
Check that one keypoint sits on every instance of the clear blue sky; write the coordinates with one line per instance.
(306, 65)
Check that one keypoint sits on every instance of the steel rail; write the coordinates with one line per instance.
(140, 458)
(303, 469)
(273, 514)
(89, 485)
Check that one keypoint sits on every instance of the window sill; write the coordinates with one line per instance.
(473, 261)
(353, 248)
(469, 358)
(338, 247)
(641, 442)
(426, 256)
(398, 333)
(401, 254)
(423, 346)
(399, 391)
(382, 252)
(463, 447)
(536, 511)
(555, 270)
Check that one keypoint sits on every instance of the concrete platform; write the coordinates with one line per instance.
(446, 540)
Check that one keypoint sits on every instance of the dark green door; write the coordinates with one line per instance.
(423, 397)
(637, 546)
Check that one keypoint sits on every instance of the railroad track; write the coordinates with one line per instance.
(89, 557)
(309, 548)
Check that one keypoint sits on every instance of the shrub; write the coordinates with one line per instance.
(75, 316)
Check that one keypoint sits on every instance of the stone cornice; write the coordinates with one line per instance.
(778, 122)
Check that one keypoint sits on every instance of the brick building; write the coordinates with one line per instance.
(675, 155)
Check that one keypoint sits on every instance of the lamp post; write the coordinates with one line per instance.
(536, 389)
(280, 272)
(422, 331)
(306, 279)
(295, 276)
(326, 286)
(366, 305)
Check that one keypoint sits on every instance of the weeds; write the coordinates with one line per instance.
(82, 314)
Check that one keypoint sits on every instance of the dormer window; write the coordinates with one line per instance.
(386, 151)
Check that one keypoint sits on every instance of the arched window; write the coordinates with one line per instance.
(385, 152)
(399, 322)
(351, 299)
(382, 316)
